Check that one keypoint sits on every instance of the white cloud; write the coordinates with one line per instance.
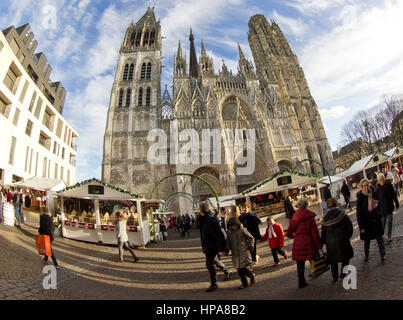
(335, 112)
(364, 56)
(291, 26)
(313, 7)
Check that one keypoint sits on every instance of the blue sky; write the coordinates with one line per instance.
(351, 51)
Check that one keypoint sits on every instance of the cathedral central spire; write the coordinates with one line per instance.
(193, 64)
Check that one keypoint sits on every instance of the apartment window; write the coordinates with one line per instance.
(68, 177)
(45, 167)
(63, 153)
(16, 116)
(61, 173)
(56, 170)
(31, 105)
(12, 78)
(28, 130)
(48, 118)
(26, 159)
(65, 134)
(30, 161)
(24, 92)
(54, 147)
(22, 58)
(38, 108)
(5, 106)
(44, 140)
(1, 46)
(12, 151)
(36, 164)
(59, 128)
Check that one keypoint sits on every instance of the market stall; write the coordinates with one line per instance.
(89, 208)
(335, 182)
(37, 193)
(267, 197)
(395, 155)
(224, 201)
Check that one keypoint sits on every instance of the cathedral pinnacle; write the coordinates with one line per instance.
(193, 64)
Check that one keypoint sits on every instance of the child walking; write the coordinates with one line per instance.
(241, 242)
(275, 234)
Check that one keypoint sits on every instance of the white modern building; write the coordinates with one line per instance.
(35, 139)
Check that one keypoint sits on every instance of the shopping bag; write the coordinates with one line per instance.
(43, 245)
(319, 265)
(165, 234)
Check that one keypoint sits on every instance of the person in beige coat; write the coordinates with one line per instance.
(241, 242)
(121, 236)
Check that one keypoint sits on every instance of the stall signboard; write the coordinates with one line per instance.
(132, 229)
(95, 189)
(284, 180)
(70, 223)
(86, 226)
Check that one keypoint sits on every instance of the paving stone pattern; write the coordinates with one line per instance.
(175, 269)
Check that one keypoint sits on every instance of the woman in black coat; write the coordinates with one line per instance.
(368, 219)
(46, 227)
(337, 231)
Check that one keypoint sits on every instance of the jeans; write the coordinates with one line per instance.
(17, 214)
(380, 245)
(274, 252)
(53, 256)
(243, 272)
(301, 271)
(388, 219)
(397, 188)
(335, 268)
(126, 247)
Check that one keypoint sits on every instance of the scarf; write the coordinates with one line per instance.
(272, 234)
(372, 204)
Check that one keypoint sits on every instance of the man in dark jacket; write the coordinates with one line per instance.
(213, 242)
(345, 191)
(386, 195)
(251, 222)
(328, 194)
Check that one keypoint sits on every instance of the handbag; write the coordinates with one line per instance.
(319, 264)
(43, 245)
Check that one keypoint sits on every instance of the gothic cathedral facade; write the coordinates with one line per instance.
(271, 97)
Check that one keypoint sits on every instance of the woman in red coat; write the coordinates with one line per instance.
(275, 234)
(304, 231)
(171, 222)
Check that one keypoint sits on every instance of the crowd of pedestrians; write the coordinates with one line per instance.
(16, 198)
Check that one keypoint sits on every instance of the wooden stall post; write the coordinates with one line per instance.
(140, 230)
(98, 220)
(63, 216)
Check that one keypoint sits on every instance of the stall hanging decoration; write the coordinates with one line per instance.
(277, 175)
(80, 184)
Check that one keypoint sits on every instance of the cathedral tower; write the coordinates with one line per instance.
(135, 98)
(277, 64)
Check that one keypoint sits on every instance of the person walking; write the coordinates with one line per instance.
(213, 242)
(9, 196)
(304, 231)
(223, 219)
(186, 224)
(234, 213)
(121, 236)
(240, 243)
(337, 231)
(47, 227)
(396, 179)
(251, 222)
(163, 228)
(16, 203)
(288, 208)
(275, 235)
(345, 191)
(180, 226)
(369, 220)
(1, 204)
(386, 195)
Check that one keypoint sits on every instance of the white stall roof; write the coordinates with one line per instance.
(110, 192)
(357, 166)
(333, 179)
(41, 184)
(225, 201)
(390, 152)
(271, 184)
